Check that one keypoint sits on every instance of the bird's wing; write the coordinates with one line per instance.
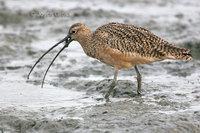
(137, 40)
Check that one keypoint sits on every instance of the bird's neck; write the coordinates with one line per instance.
(85, 41)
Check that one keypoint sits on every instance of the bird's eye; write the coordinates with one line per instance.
(73, 31)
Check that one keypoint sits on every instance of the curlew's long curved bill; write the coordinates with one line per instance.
(67, 40)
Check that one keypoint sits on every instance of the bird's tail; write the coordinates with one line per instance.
(179, 53)
(184, 56)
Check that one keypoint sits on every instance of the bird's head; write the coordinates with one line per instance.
(79, 32)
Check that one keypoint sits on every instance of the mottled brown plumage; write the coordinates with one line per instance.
(122, 46)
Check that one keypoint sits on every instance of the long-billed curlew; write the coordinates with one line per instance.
(120, 46)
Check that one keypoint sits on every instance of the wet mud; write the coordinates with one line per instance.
(72, 99)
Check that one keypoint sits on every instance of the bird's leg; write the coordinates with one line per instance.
(139, 79)
(112, 86)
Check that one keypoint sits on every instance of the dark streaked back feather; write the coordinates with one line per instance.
(129, 38)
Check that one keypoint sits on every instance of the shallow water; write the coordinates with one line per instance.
(72, 97)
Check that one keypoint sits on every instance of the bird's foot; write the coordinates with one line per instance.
(139, 92)
(110, 91)
(107, 96)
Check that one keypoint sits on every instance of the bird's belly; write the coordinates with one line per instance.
(116, 63)
(122, 60)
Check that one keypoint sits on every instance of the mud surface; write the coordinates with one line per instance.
(72, 99)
